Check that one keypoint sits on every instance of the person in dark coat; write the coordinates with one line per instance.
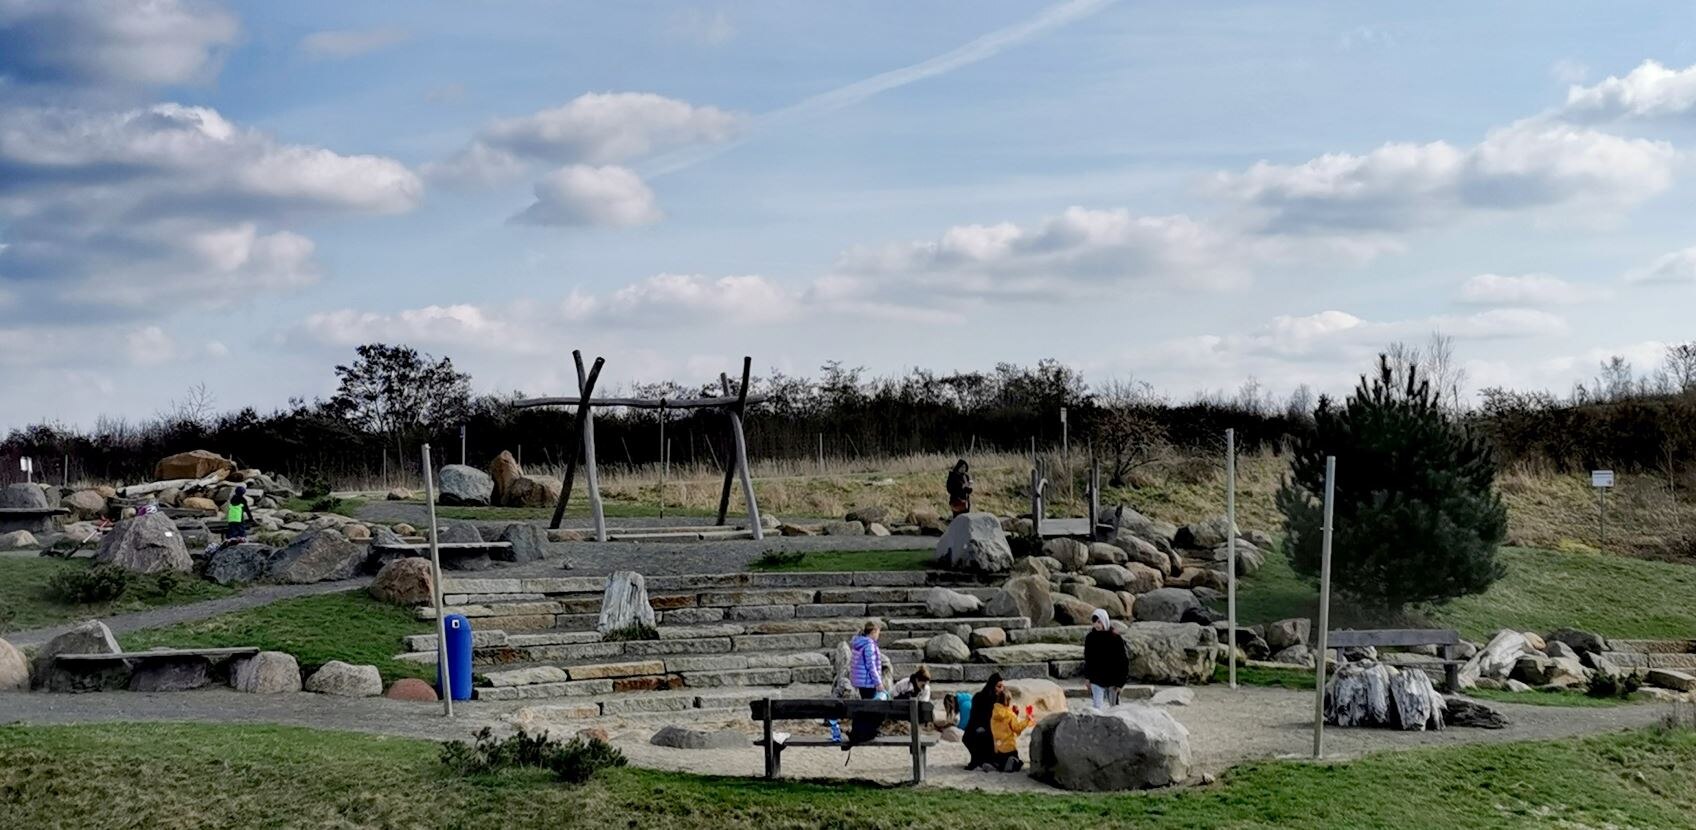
(978, 740)
(960, 488)
(1107, 663)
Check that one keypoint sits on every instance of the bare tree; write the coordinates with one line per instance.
(1616, 381)
(1300, 404)
(1679, 364)
(1126, 430)
(1403, 357)
(1443, 369)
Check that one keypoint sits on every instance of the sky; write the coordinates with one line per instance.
(1190, 195)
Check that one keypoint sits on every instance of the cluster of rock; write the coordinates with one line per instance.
(872, 521)
(1565, 658)
(266, 672)
(1369, 693)
(505, 484)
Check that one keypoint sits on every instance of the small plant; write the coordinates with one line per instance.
(1606, 684)
(101, 583)
(634, 631)
(274, 539)
(166, 582)
(773, 559)
(314, 486)
(572, 762)
(326, 504)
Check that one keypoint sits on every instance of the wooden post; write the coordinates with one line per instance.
(1231, 548)
(821, 453)
(662, 458)
(771, 751)
(1324, 608)
(729, 467)
(914, 748)
(740, 444)
(591, 479)
(436, 588)
(577, 436)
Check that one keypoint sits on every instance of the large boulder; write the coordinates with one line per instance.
(192, 464)
(458, 484)
(1203, 535)
(14, 669)
(975, 542)
(947, 648)
(872, 514)
(92, 637)
(266, 673)
(403, 582)
(625, 603)
(85, 504)
(1583, 642)
(1156, 531)
(533, 491)
(1140, 550)
(1127, 747)
(1045, 696)
(1286, 633)
(18, 540)
(1166, 605)
(24, 496)
(1135, 577)
(504, 470)
(238, 564)
(1072, 554)
(942, 602)
(147, 544)
(1171, 653)
(683, 737)
(1496, 660)
(529, 543)
(1070, 610)
(1023, 596)
(316, 556)
(345, 680)
(1102, 598)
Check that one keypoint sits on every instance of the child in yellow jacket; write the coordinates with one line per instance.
(1005, 725)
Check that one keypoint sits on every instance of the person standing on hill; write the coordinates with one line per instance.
(237, 514)
(960, 487)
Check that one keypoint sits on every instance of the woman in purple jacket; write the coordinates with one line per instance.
(865, 671)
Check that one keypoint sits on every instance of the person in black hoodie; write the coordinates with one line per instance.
(978, 739)
(1107, 663)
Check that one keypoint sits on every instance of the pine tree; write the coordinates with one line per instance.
(1417, 518)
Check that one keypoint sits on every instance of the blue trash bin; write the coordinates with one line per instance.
(459, 656)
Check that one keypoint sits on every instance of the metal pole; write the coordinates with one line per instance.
(65, 472)
(436, 588)
(462, 444)
(1231, 547)
(665, 467)
(1602, 515)
(662, 457)
(1324, 608)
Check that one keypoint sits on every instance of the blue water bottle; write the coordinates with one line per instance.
(835, 731)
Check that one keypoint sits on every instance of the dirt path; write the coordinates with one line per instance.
(1226, 728)
(252, 597)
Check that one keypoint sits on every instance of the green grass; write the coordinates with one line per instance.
(1544, 589)
(349, 626)
(348, 507)
(197, 776)
(854, 560)
(611, 509)
(24, 603)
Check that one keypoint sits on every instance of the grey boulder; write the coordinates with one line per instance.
(1165, 605)
(975, 542)
(942, 602)
(1127, 747)
(316, 556)
(624, 603)
(266, 673)
(1024, 596)
(146, 544)
(238, 564)
(345, 680)
(464, 485)
(1177, 654)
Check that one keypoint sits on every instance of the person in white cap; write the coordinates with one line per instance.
(1107, 661)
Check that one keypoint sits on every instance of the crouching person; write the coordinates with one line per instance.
(1005, 725)
(915, 685)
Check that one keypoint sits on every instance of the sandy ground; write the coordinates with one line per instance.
(1226, 728)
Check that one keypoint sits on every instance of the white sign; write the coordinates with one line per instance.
(26, 465)
(1601, 478)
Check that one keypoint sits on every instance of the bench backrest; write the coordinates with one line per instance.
(831, 708)
(1393, 637)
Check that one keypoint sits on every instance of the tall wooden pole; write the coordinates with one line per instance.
(1231, 547)
(1324, 608)
(591, 479)
(436, 588)
(576, 437)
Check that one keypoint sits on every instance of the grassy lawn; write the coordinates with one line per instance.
(851, 560)
(193, 776)
(24, 602)
(348, 507)
(350, 626)
(1544, 589)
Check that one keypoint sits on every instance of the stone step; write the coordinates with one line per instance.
(724, 582)
(1654, 646)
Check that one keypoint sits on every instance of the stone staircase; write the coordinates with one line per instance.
(535, 638)
(1679, 655)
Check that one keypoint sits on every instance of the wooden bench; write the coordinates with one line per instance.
(916, 712)
(32, 519)
(103, 672)
(1448, 638)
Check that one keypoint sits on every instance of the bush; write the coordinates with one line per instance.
(572, 762)
(779, 559)
(633, 631)
(101, 583)
(1417, 519)
(326, 504)
(167, 582)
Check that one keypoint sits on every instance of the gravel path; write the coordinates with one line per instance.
(252, 597)
(1226, 728)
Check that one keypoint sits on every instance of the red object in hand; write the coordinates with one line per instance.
(1030, 712)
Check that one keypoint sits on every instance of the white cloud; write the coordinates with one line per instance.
(594, 128)
(701, 26)
(1678, 267)
(1497, 324)
(672, 297)
(1530, 164)
(580, 194)
(1075, 249)
(174, 198)
(1525, 290)
(348, 43)
(1649, 91)
(118, 43)
(149, 346)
